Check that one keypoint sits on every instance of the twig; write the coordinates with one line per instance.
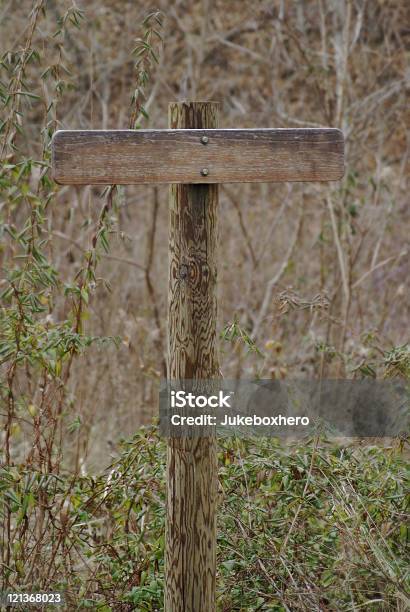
(338, 248)
(274, 281)
(341, 57)
(268, 239)
(150, 287)
(394, 258)
(129, 262)
(246, 236)
(271, 580)
(305, 488)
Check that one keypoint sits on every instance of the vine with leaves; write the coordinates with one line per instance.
(37, 345)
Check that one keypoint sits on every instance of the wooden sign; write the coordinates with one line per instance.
(184, 156)
(121, 157)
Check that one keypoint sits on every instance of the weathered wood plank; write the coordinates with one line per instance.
(181, 156)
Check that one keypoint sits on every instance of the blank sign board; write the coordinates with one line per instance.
(101, 157)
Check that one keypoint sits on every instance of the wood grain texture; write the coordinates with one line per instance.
(179, 156)
(190, 540)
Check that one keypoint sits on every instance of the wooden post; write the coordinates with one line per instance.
(190, 535)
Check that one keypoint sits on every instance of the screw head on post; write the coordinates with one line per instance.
(204, 140)
(204, 171)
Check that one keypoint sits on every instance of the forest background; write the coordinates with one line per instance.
(313, 278)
